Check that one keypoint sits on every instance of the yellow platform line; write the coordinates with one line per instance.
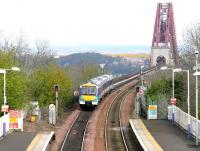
(150, 137)
(35, 141)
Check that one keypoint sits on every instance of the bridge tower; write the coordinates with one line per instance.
(164, 46)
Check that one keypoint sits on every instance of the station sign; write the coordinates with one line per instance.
(173, 101)
(15, 119)
(152, 112)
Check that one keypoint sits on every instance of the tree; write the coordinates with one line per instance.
(15, 82)
(42, 85)
(191, 43)
(163, 87)
(44, 54)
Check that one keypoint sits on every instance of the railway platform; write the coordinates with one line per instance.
(169, 137)
(29, 141)
(147, 142)
(16, 141)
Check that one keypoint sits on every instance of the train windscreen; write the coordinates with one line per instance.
(88, 90)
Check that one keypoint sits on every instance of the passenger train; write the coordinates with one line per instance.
(91, 92)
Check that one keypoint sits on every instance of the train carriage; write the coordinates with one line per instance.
(94, 90)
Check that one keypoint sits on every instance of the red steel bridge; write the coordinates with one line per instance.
(164, 45)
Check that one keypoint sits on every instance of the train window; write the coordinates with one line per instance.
(88, 90)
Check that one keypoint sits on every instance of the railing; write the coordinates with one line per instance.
(4, 125)
(181, 118)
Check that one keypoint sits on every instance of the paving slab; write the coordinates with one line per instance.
(170, 137)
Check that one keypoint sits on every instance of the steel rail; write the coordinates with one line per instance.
(83, 140)
(120, 119)
(106, 123)
(69, 132)
(78, 129)
(127, 91)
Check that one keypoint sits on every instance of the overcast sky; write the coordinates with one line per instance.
(75, 22)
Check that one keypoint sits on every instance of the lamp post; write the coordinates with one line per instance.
(4, 72)
(166, 68)
(188, 101)
(188, 96)
(196, 74)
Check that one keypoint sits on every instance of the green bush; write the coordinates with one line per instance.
(16, 82)
(42, 83)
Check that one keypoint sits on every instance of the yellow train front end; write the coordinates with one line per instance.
(88, 95)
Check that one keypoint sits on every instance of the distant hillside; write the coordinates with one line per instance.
(130, 55)
(116, 65)
(80, 58)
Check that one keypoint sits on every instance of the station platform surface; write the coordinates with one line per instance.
(16, 141)
(170, 137)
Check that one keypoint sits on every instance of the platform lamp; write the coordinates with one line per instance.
(4, 72)
(197, 73)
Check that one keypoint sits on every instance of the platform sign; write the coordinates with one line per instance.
(173, 101)
(15, 119)
(152, 112)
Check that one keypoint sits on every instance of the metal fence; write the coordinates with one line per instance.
(181, 118)
(4, 125)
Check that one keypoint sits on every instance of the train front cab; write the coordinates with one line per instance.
(88, 95)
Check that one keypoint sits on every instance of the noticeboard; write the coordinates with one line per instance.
(15, 119)
(152, 112)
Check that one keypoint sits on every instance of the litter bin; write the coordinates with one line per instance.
(32, 118)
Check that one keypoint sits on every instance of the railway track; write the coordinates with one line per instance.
(117, 137)
(115, 134)
(129, 138)
(75, 136)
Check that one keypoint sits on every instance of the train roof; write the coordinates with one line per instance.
(100, 80)
(88, 85)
